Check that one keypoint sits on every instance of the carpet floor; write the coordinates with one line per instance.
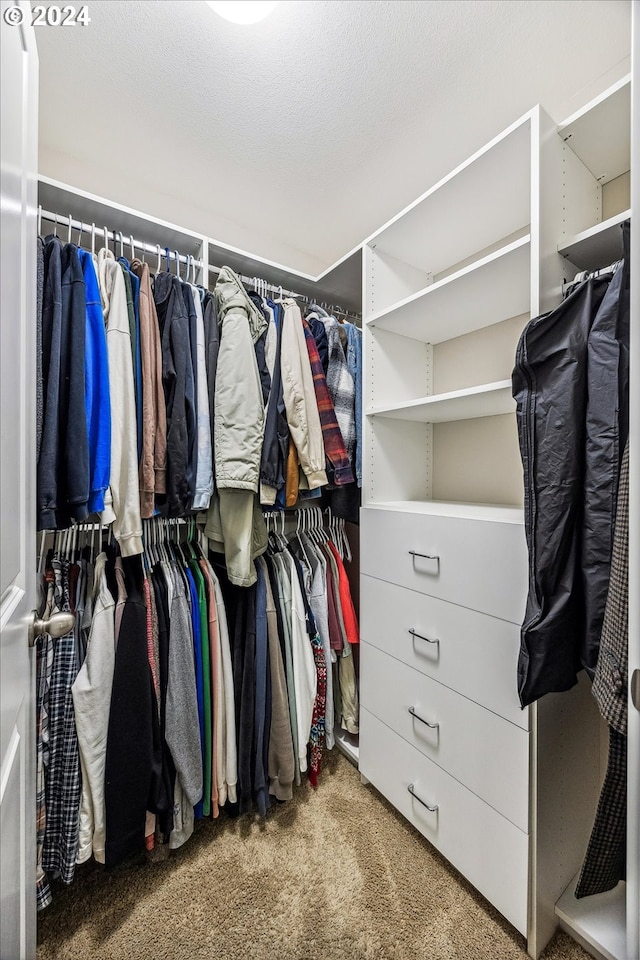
(336, 874)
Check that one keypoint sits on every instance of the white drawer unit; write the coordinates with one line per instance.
(489, 850)
(468, 651)
(474, 563)
(487, 754)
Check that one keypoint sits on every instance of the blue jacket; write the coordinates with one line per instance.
(96, 389)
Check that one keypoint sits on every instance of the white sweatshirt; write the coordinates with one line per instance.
(91, 693)
(122, 500)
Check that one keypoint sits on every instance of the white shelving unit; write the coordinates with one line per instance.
(464, 266)
(459, 261)
(461, 268)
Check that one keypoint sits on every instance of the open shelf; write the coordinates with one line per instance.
(598, 246)
(599, 922)
(348, 744)
(487, 400)
(600, 133)
(485, 292)
(496, 513)
(483, 199)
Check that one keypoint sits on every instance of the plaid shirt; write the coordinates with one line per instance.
(342, 389)
(44, 666)
(334, 445)
(62, 765)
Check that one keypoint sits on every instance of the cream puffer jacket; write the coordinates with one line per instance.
(239, 404)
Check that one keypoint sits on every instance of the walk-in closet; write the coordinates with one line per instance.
(319, 613)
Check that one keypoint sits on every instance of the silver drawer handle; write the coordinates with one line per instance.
(425, 556)
(420, 636)
(431, 808)
(412, 711)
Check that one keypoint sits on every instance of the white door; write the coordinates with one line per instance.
(18, 146)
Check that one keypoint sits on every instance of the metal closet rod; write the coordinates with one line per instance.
(265, 286)
(117, 236)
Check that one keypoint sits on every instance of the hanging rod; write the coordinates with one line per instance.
(117, 236)
(265, 286)
(583, 275)
(276, 288)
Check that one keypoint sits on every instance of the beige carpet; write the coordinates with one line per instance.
(334, 875)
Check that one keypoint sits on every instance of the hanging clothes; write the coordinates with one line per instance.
(570, 383)
(91, 692)
(122, 500)
(177, 380)
(299, 397)
(605, 861)
(96, 390)
(63, 465)
(61, 757)
(153, 458)
(234, 522)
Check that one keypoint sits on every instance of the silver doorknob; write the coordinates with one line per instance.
(58, 625)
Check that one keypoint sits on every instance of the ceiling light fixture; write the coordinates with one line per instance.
(243, 11)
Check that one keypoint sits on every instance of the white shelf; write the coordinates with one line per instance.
(598, 246)
(598, 922)
(483, 199)
(347, 744)
(600, 133)
(487, 291)
(495, 513)
(487, 400)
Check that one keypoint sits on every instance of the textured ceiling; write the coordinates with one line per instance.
(297, 137)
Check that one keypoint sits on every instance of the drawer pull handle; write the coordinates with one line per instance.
(422, 637)
(432, 808)
(412, 711)
(425, 556)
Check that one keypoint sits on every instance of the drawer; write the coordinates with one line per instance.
(487, 754)
(476, 655)
(486, 848)
(480, 564)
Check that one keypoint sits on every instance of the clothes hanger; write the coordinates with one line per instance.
(69, 224)
(41, 554)
(300, 516)
(177, 256)
(39, 219)
(132, 245)
(93, 239)
(345, 540)
(55, 224)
